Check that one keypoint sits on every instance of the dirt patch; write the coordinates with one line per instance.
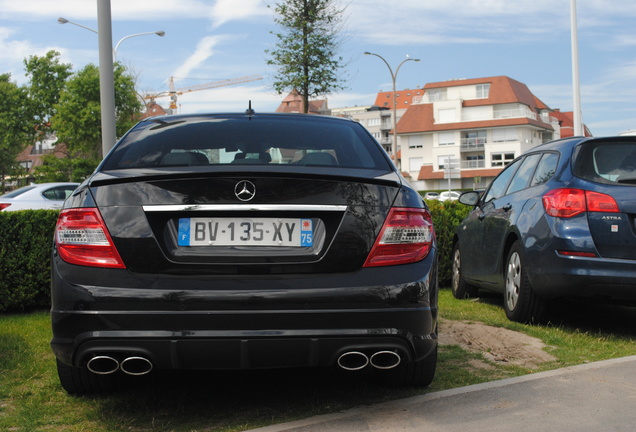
(494, 343)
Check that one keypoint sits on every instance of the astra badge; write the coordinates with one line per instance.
(245, 190)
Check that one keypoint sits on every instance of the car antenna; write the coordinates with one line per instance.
(249, 111)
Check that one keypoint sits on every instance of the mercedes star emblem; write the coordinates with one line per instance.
(245, 190)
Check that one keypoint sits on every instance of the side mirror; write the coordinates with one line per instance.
(470, 198)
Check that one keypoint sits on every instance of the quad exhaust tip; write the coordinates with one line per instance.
(356, 360)
(136, 366)
(105, 365)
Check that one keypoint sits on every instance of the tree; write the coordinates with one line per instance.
(305, 53)
(47, 79)
(54, 169)
(15, 127)
(77, 121)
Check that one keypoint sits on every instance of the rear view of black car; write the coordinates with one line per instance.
(558, 222)
(217, 242)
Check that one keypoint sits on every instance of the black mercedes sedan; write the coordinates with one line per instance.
(244, 241)
(557, 223)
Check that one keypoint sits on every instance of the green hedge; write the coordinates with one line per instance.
(446, 216)
(25, 252)
(25, 259)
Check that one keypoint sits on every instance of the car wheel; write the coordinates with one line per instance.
(418, 373)
(79, 381)
(460, 288)
(521, 303)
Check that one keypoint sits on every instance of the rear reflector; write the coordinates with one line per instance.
(577, 254)
(406, 237)
(567, 203)
(82, 238)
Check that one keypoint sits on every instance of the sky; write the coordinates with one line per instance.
(213, 40)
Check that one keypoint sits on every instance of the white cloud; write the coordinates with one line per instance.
(229, 99)
(203, 51)
(138, 10)
(13, 52)
(224, 11)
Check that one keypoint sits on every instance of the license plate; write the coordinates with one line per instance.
(245, 232)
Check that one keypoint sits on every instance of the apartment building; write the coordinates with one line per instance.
(378, 118)
(460, 134)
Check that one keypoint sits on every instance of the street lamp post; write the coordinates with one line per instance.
(393, 78)
(159, 33)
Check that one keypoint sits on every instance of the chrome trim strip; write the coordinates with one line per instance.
(243, 207)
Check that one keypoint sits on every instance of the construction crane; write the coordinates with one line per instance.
(175, 92)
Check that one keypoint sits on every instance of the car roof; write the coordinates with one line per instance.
(569, 143)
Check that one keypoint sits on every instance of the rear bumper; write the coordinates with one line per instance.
(567, 276)
(279, 346)
(260, 322)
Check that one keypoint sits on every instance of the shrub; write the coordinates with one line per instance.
(446, 216)
(25, 259)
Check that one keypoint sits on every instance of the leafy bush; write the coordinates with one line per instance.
(25, 259)
(446, 216)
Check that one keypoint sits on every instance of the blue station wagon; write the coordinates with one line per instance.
(558, 222)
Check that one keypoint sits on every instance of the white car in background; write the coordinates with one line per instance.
(449, 196)
(37, 196)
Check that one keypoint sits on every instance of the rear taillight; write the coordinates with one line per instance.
(82, 238)
(4, 206)
(566, 203)
(406, 237)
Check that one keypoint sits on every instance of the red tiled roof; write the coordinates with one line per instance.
(293, 103)
(566, 120)
(153, 109)
(403, 98)
(25, 155)
(503, 90)
(419, 118)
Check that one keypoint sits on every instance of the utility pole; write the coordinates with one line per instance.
(106, 75)
(576, 87)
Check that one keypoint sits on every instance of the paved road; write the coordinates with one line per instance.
(597, 396)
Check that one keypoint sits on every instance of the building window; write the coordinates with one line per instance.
(501, 159)
(474, 162)
(446, 138)
(436, 95)
(373, 122)
(27, 165)
(505, 135)
(415, 163)
(483, 90)
(447, 162)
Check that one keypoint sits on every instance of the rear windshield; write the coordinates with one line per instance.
(242, 140)
(607, 161)
(17, 192)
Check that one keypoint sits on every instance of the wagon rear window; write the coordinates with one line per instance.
(607, 161)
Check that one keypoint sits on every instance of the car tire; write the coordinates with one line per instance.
(459, 287)
(419, 373)
(80, 381)
(521, 303)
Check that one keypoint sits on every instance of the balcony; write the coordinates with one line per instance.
(514, 113)
(472, 164)
(473, 144)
